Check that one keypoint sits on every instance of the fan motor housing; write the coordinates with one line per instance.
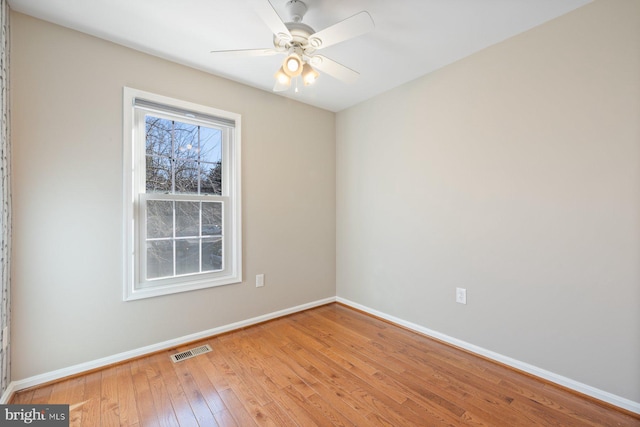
(300, 37)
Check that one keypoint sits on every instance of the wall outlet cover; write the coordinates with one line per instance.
(461, 295)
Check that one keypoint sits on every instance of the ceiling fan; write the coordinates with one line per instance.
(299, 42)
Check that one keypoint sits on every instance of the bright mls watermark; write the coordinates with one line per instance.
(34, 415)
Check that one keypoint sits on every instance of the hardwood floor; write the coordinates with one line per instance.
(327, 366)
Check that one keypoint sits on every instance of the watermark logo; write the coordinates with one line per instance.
(34, 415)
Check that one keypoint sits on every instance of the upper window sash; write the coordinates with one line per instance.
(228, 135)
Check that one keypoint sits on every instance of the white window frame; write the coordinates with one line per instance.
(135, 284)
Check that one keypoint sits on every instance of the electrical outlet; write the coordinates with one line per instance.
(461, 295)
(259, 280)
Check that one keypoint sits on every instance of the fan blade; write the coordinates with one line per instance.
(247, 52)
(334, 69)
(354, 26)
(265, 10)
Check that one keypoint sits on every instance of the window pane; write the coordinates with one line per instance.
(186, 141)
(159, 259)
(186, 177)
(158, 136)
(212, 254)
(187, 256)
(187, 219)
(158, 174)
(211, 178)
(211, 218)
(159, 219)
(210, 145)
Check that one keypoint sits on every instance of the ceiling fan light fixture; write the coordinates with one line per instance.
(309, 75)
(283, 81)
(292, 65)
(282, 77)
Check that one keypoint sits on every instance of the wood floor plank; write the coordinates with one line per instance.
(161, 399)
(370, 373)
(328, 366)
(348, 386)
(294, 404)
(225, 419)
(275, 415)
(477, 393)
(197, 402)
(220, 372)
(198, 368)
(109, 409)
(41, 395)
(433, 413)
(336, 397)
(23, 397)
(148, 416)
(252, 374)
(179, 401)
(250, 391)
(578, 409)
(237, 409)
(91, 403)
(127, 408)
(330, 386)
(285, 372)
(59, 392)
(358, 343)
(76, 394)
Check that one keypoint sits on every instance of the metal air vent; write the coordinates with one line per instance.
(179, 357)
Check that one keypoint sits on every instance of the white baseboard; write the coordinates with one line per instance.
(15, 386)
(11, 388)
(602, 395)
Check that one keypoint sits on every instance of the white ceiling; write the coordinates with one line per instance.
(411, 37)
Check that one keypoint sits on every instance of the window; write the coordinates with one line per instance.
(182, 164)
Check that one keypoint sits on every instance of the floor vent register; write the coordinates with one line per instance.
(179, 357)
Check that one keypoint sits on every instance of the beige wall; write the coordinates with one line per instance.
(514, 173)
(67, 305)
